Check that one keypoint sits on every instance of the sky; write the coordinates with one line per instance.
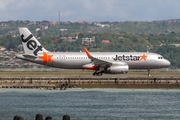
(89, 10)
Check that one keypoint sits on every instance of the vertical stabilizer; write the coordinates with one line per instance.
(30, 44)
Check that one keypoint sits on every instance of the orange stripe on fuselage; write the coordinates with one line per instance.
(93, 68)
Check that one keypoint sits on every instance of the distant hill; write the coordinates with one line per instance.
(136, 27)
(161, 37)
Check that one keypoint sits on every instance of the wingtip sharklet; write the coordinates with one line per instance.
(87, 53)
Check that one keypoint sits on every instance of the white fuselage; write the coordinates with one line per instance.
(79, 60)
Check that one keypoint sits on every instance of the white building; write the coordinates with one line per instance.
(88, 40)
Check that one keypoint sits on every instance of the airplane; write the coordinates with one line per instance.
(100, 62)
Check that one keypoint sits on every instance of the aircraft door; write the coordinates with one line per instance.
(150, 59)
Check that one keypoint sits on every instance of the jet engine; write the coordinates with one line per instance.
(118, 69)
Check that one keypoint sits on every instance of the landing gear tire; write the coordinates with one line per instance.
(97, 74)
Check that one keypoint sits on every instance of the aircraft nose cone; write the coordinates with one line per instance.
(167, 63)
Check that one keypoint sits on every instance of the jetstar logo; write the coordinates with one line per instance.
(143, 57)
(31, 44)
(46, 58)
(130, 58)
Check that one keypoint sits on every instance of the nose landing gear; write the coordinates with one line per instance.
(149, 74)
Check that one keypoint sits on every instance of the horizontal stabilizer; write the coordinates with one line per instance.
(29, 56)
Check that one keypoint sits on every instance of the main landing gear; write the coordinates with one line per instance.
(97, 73)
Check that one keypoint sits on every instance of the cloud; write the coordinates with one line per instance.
(4, 3)
(89, 10)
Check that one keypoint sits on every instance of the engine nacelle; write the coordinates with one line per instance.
(118, 69)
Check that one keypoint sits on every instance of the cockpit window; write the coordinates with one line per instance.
(160, 57)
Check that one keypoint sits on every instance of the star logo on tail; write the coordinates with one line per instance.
(46, 58)
(143, 57)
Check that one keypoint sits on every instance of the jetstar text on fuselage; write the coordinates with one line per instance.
(129, 58)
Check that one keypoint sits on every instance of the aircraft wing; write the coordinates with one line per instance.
(97, 62)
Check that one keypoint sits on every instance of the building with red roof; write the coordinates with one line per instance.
(52, 23)
(78, 22)
(105, 41)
